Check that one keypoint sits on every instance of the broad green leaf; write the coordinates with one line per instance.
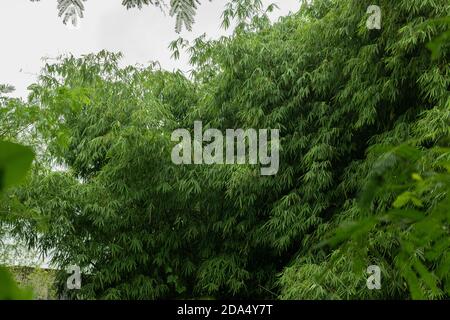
(9, 289)
(15, 161)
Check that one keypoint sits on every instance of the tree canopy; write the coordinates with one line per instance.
(364, 162)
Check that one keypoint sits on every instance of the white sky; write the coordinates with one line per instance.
(32, 30)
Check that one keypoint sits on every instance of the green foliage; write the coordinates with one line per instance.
(436, 46)
(415, 177)
(364, 127)
(9, 289)
(418, 221)
(15, 161)
(15, 116)
(40, 281)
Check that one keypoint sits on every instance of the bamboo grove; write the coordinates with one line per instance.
(364, 163)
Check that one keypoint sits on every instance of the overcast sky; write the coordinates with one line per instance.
(32, 30)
